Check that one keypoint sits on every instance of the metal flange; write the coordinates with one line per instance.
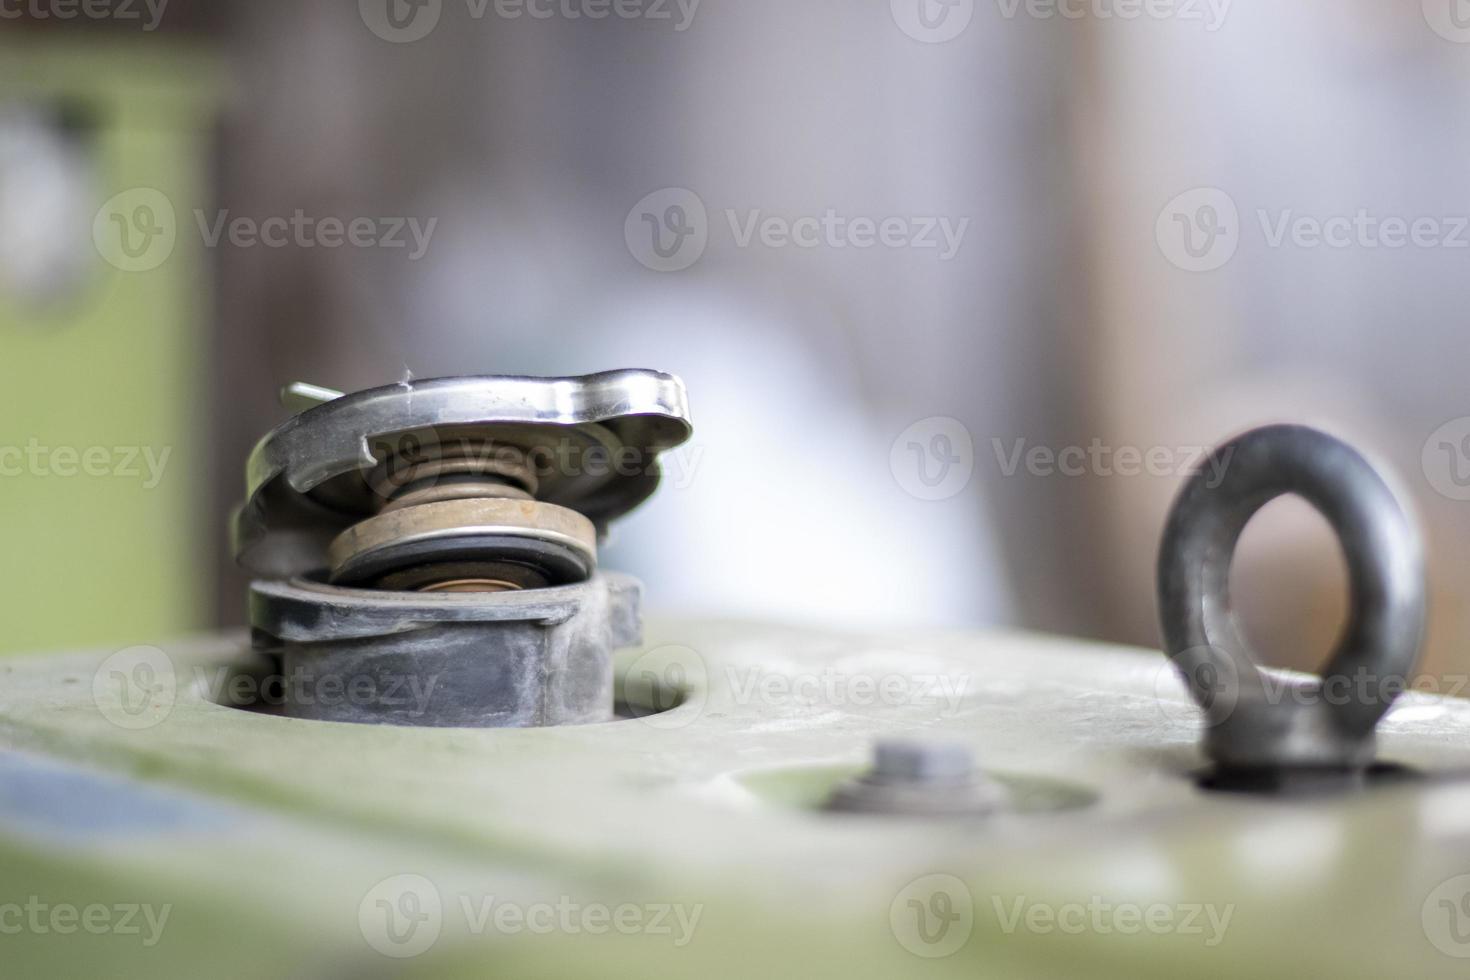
(530, 658)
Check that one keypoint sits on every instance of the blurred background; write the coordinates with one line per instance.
(961, 289)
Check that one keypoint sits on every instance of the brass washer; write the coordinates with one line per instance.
(458, 520)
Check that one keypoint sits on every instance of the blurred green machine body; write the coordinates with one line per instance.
(101, 341)
(692, 842)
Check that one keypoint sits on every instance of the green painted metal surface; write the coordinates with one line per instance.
(280, 847)
(105, 547)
